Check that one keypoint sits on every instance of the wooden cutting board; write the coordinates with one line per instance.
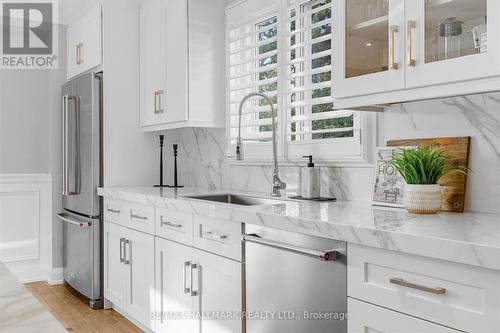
(454, 183)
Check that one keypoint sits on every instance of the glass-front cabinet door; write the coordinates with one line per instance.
(451, 40)
(369, 40)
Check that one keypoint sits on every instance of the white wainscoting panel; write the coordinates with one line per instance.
(26, 225)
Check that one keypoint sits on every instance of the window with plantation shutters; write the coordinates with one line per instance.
(252, 47)
(283, 48)
(313, 126)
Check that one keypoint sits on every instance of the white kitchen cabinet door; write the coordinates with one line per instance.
(152, 66)
(73, 39)
(368, 47)
(139, 258)
(176, 60)
(182, 64)
(368, 318)
(164, 57)
(173, 287)
(84, 41)
(115, 282)
(218, 285)
(451, 41)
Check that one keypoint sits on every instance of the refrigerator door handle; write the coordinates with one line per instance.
(65, 183)
(66, 219)
(65, 145)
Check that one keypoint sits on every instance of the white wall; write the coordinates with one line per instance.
(130, 154)
(30, 130)
(202, 153)
(24, 121)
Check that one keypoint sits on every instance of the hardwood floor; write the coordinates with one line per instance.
(75, 315)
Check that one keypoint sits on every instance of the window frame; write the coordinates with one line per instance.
(261, 153)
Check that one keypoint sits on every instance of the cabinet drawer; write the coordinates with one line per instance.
(174, 225)
(367, 318)
(221, 237)
(129, 214)
(456, 295)
(114, 211)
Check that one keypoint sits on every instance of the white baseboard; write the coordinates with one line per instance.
(55, 276)
(27, 272)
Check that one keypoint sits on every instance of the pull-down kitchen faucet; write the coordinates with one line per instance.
(277, 183)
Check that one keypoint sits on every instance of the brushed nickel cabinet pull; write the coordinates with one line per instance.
(160, 108)
(138, 217)
(404, 283)
(195, 267)
(155, 96)
(157, 104)
(393, 65)
(409, 46)
(169, 223)
(212, 235)
(122, 257)
(187, 265)
(116, 211)
(125, 243)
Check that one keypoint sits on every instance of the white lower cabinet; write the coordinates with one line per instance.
(195, 290)
(129, 274)
(367, 318)
(463, 297)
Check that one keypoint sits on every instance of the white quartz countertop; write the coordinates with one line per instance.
(20, 311)
(469, 238)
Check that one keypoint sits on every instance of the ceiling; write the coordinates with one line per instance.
(69, 10)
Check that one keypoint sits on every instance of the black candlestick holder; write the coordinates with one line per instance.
(162, 138)
(176, 184)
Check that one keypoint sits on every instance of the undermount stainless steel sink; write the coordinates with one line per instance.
(242, 200)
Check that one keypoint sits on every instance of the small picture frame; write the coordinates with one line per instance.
(388, 184)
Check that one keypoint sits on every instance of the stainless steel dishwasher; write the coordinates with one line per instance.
(294, 283)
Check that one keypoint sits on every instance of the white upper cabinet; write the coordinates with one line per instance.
(84, 41)
(182, 64)
(368, 46)
(395, 50)
(451, 41)
(152, 67)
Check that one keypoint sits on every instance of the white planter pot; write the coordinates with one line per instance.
(422, 199)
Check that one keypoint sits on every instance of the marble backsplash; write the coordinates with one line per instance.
(203, 162)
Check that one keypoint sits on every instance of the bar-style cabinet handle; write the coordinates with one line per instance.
(138, 217)
(79, 53)
(187, 265)
(116, 211)
(125, 243)
(214, 235)
(197, 268)
(158, 102)
(404, 283)
(169, 223)
(409, 46)
(393, 65)
(122, 257)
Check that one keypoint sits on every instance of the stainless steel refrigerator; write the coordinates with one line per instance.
(82, 174)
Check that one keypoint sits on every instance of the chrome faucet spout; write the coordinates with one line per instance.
(277, 184)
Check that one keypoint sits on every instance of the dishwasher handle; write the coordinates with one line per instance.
(326, 255)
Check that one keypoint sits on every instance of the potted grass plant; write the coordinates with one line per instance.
(421, 168)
